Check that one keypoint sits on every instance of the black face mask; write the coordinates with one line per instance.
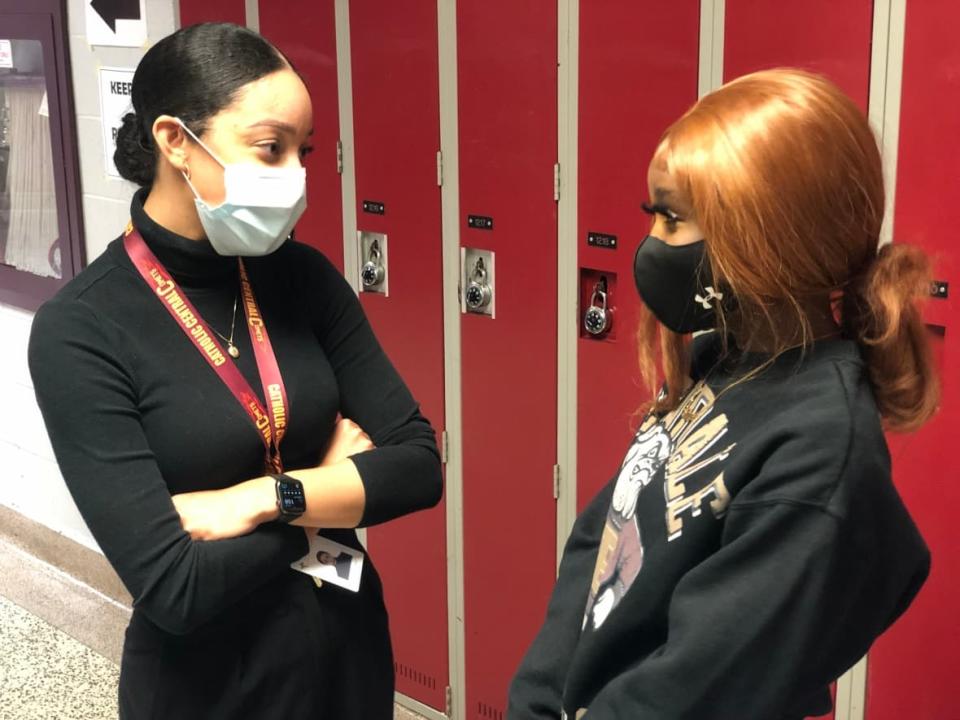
(675, 282)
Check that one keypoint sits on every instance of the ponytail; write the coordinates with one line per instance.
(881, 312)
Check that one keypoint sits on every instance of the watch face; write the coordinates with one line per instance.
(292, 499)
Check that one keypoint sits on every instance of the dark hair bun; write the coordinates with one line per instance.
(133, 159)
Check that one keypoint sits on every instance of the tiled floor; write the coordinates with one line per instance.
(60, 644)
(45, 673)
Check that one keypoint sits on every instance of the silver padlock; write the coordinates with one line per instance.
(479, 294)
(597, 319)
(372, 273)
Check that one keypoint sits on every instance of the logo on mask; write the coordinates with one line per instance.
(711, 295)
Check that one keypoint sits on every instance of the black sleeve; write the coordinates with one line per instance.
(744, 624)
(402, 475)
(818, 556)
(537, 688)
(88, 399)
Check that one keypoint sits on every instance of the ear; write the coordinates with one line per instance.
(172, 141)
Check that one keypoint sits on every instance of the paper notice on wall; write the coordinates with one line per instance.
(6, 54)
(117, 22)
(115, 85)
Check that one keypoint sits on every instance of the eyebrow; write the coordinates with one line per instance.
(662, 194)
(279, 125)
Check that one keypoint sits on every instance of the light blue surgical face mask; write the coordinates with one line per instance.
(259, 210)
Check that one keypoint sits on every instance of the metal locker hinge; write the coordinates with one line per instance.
(339, 157)
(439, 168)
(556, 482)
(444, 447)
(556, 182)
(448, 708)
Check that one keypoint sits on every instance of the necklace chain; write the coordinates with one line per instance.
(232, 349)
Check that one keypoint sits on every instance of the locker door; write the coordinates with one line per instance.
(824, 36)
(396, 138)
(507, 79)
(911, 670)
(630, 92)
(198, 11)
(305, 32)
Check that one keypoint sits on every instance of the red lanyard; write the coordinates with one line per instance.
(272, 424)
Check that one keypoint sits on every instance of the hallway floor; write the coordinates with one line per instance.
(60, 641)
(45, 673)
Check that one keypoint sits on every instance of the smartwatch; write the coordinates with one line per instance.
(291, 501)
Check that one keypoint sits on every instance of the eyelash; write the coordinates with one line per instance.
(273, 148)
(668, 215)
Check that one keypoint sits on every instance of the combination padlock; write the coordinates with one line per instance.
(372, 273)
(597, 319)
(478, 294)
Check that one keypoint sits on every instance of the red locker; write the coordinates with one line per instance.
(507, 78)
(396, 138)
(311, 45)
(198, 11)
(824, 36)
(629, 93)
(911, 670)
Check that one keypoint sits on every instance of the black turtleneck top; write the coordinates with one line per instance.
(135, 414)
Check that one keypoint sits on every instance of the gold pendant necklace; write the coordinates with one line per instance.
(232, 350)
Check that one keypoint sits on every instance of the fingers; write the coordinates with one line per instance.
(346, 424)
(348, 439)
(363, 441)
(354, 434)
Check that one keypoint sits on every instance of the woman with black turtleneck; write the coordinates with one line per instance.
(194, 373)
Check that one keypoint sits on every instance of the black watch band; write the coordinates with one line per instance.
(291, 500)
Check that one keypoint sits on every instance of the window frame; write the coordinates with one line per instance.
(46, 22)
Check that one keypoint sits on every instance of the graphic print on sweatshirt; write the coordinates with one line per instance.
(664, 453)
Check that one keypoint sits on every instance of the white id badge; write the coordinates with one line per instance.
(331, 562)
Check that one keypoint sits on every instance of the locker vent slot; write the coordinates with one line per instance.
(489, 711)
(414, 675)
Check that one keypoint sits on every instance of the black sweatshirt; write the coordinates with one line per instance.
(748, 552)
(135, 414)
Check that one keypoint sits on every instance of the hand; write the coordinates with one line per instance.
(227, 513)
(348, 439)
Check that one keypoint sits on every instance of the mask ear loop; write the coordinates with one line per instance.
(201, 143)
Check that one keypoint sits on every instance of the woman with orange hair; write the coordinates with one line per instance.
(752, 546)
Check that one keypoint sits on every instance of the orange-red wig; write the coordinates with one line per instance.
(785, 179)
